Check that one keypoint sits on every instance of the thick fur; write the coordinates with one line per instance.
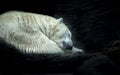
(36, 43)
(34, 33)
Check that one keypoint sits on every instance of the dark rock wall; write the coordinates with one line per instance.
(94, 23)
(37, 6)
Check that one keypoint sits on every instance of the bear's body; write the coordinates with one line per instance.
(36, 43)
(33, 33)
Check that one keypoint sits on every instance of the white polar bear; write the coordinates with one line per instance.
(35, 33)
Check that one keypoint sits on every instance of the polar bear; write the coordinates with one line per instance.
(35, 33)
(31, 42)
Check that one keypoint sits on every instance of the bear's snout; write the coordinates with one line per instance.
(67, 46)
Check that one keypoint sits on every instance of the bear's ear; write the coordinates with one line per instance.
(60, 20)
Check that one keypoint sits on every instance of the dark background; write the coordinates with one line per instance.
(94, 23)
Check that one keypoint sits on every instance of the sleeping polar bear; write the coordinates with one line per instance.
(35, 33)
(31, 43)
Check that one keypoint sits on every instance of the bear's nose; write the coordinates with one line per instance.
(67, 46)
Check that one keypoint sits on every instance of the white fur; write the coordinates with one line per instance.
(33, 33)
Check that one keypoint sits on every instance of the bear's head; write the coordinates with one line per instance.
(62, 35)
